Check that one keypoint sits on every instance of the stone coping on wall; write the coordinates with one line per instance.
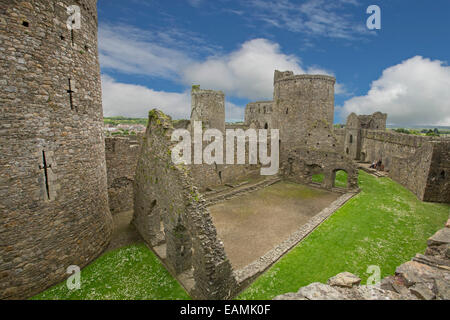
(249, 273)
(207, 91)
(260, 102)
(400, 138)
(307, 76)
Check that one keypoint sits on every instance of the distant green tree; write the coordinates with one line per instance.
(402, 130)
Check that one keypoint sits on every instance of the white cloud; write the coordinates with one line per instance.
(246, 72)
(416, 91)
(124, 49)
(120, 99)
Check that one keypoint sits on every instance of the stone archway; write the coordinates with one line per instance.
(339, 178)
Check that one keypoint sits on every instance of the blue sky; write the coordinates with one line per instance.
(151, 52)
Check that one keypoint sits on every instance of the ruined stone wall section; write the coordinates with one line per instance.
(386, 145)
(304, 163)
(165, 193)
(438, 183)
(340, 138)
(426, 172)
(412, 171)
(121, 159)
(208, 106)
(54, 210)
(303, 110)
(258, 115)
(206, 176)
(419, 163)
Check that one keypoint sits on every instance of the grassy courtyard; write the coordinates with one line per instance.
(129, 273)
(384, 225)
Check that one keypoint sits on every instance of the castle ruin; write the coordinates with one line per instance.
(54, 210)
(59, 181)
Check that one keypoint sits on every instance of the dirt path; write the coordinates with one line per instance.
(252, 224)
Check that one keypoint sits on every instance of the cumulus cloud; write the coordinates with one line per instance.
(246, 72)
(160, 53)
(135, 101)
(414, 92)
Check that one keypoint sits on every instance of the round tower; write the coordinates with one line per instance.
(303, 105)
(54, 206)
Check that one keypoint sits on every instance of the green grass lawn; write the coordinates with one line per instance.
(341, 178)
(132, 272)
(384, 225)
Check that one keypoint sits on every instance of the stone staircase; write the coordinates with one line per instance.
(366, 167)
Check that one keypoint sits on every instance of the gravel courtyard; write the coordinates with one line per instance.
(252, 224)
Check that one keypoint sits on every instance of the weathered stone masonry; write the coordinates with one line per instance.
(169, 209)
(54, 204)
(303, 111)
(121, 159)
(421, 164)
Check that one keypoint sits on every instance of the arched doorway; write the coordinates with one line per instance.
(317, 175)
(340, 178)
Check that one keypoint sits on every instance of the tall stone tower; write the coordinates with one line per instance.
(303, 110)
(54, 207)
(208, 106)
(303, 107)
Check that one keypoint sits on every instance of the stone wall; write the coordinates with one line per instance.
(169, 209)
(54, 210)
(303, 110)
(355, 131)
(208, 106)
(420, 163)
(385, 145)
(121, 159)
(304, 163)
(258, 115)
(425, 172)
(438, 183)
(340, 137)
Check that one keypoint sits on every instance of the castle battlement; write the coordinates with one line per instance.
(289, 76)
